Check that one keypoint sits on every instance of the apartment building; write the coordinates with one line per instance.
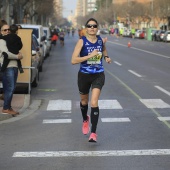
(58, 6)
(84, 7)
(128, 1)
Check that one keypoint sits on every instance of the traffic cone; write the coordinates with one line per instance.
(129, 44)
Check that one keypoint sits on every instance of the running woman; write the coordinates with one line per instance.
(89, 52)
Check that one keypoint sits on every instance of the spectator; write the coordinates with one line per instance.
(14, 45)
(10, 74)
(2, 22)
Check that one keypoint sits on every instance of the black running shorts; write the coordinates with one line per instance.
(87, 81)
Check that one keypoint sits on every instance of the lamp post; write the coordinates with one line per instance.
(152, 13)
(128, 15)
(106, 5)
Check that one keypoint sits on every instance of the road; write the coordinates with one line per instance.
(134, 125)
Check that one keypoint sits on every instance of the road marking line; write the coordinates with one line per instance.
(67, 112)
(136, 95)
(115, 119)
(47, 90)
(109, 153)
(141, 50)
(109, 104)
(117, 63)
(57, 121)
(59, 105)
(163, 90)
(136, 74)
(154, 103)
(164, 118)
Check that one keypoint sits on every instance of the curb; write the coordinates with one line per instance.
(26, 104)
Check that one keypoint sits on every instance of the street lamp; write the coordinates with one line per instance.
(152, 12)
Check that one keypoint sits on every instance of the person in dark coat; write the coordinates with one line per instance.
(14, 45)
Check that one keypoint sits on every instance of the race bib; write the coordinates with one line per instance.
(96, 59)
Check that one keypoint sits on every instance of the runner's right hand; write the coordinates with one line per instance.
(94, 52)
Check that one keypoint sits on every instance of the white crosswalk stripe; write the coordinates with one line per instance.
(115, 119)
(109, 104)
(164, 118)
(154, 103)
(59, 105)
(57, 121)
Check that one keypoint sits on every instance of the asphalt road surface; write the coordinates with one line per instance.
(134, 124)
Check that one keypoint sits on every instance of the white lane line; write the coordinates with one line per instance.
(164, 118)
(57, 121)
(154, 103)
(109, 153)
(136, 74)
(163, 90)
(117, 63)
(109, 104)
(67, 112)
(115, 119)
(59, 105)
(141, 50)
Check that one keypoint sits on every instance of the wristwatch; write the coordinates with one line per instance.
(106, 57)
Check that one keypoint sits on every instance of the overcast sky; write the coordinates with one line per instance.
(68, 6)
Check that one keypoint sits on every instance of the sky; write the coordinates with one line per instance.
(68, 6)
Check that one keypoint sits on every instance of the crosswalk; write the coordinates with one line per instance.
(66, 107)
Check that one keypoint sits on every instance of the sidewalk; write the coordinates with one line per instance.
(19, 103)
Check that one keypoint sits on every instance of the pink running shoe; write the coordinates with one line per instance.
(93, 137)
(85, 127)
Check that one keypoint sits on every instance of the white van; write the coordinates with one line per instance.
(39, 33)
(47, 40)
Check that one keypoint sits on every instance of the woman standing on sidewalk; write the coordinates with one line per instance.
(89, 52)
(10, 74)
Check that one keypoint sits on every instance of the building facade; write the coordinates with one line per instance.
(58, 6)
(128, 1)
(84, 7)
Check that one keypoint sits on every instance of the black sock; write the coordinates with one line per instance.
(94, 118)
(84, 110)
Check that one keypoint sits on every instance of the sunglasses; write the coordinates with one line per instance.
(90, 26)
(6, 30)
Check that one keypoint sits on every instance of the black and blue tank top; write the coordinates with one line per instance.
(92, 65)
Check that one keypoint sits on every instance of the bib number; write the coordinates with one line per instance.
(96, 59)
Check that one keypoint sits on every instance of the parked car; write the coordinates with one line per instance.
(159, 35)
(39, 33)
(104, 31)
(47, 40)
(38, 48)
(35, 68)
(137, 33)
(166, 37)
(153, 34)
(127, 33)
(142, 34)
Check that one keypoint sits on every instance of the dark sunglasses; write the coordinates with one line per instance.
(90, 26)
(6, 30)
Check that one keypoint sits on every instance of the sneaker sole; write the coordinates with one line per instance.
(91, 140)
